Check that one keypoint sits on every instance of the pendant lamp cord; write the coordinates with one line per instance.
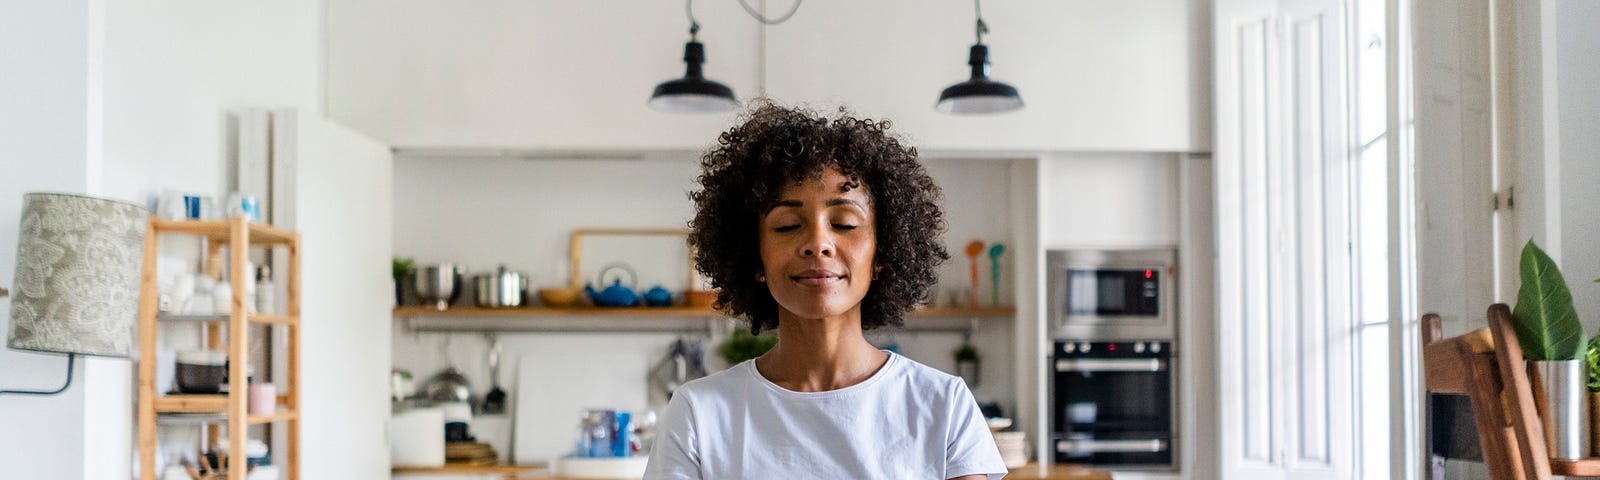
(63, 388)
(983, 28)
(694, 26)
(770, 21)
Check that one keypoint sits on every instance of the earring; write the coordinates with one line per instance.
(761, 278)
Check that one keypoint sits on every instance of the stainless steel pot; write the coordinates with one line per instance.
(438, 285)
(503, 288)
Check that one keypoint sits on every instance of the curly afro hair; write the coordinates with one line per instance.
(776, 146)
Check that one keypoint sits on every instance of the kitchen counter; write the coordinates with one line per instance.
(516, 472)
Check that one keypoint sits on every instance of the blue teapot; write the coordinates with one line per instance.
(615, 295)
(658, 297)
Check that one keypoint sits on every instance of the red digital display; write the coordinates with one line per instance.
(1113, 347)
(1147, 274)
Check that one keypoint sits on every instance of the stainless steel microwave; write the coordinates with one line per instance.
(1111, 294)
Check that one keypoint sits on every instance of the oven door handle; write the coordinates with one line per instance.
(1111, 365)
(1153, 445)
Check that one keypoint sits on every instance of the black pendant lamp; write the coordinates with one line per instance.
(979, 95)
(693, 93)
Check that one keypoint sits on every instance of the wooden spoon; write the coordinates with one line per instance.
(973, 250)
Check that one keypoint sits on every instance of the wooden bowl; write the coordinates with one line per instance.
(559, 297)
(700, 298)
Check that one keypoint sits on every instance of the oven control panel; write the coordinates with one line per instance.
(1129, 349)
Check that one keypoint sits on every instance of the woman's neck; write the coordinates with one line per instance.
(817, 355)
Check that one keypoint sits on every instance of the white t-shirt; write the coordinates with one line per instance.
(907, 421)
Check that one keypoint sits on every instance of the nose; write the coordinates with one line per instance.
(818, 243)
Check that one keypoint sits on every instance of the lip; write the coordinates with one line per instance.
(817, 277)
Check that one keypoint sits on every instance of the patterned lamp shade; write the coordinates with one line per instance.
(77, 279)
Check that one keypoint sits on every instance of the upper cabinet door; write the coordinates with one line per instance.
(1095, 75)
(535, 74)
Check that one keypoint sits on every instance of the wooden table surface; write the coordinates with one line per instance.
(1028, 472)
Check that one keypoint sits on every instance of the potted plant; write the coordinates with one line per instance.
(742, 345)
(967, 363)
(402, 271)
(1552, 338)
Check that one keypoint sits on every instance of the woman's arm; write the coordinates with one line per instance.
(971, 477)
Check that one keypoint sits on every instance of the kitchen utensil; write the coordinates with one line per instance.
(447, 386)
(685, 361)
(559, 297)
(503, 288)
(658, 297)
(700, 298)
(973, 250)
(201, 371)
(994, 272)
(438, 285)
(615, 295)
(495, 401)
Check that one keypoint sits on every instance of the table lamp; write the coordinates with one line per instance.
(76, 289)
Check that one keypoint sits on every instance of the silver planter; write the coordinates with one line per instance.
(1565, 398)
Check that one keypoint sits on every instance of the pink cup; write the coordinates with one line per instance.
(263, 399)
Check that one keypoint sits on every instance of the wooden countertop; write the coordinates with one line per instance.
(511, 472)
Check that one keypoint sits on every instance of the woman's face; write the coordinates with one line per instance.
(817, 246)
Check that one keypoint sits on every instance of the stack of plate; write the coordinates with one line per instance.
(470, 453)
(1013, 448)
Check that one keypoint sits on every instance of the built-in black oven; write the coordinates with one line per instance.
(1114, 404)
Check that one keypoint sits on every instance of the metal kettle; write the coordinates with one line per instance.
(615, 295)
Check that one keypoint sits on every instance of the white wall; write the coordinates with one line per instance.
(45, 116)
(342, 180)
(125, 100)
(1579, 114)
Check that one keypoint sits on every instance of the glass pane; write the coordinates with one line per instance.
(1373, 412)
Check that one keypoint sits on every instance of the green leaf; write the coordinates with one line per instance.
(1592, 364)
(1546, 323)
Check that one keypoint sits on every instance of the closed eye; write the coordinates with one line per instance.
(841, 226)
(787, 228)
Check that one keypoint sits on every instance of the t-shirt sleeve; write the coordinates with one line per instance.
(970, 449)
(674, 455)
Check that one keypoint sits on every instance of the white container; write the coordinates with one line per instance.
(222, 299)
(600, 467)
(416, 438)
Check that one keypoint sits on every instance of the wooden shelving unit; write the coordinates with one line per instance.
(231, 409)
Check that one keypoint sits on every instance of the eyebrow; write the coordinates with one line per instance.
(829, 203)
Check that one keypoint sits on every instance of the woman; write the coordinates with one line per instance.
(821, 229)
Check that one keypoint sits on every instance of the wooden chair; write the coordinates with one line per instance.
(1487, 365)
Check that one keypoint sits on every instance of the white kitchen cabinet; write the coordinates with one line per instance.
(573, 75)
(550, 75)
(1095, 75)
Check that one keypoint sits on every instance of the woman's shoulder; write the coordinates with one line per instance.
(926, 378)
(732, 380)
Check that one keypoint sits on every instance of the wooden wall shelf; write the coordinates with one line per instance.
(670, 320)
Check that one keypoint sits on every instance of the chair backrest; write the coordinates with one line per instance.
(1487, 365)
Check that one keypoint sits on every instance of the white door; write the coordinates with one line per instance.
(1283, 227)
